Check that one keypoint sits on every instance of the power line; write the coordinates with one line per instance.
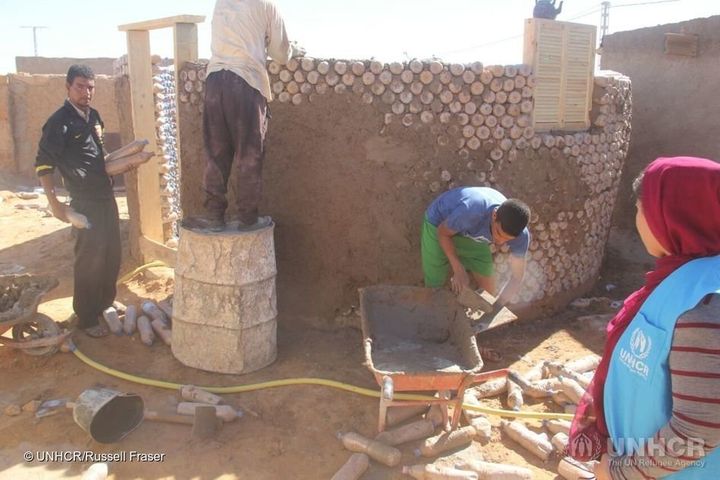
(591, 12)
(583, 14)
(502, 40)
(643, 3)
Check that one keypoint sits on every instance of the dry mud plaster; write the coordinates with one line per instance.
(357, 149)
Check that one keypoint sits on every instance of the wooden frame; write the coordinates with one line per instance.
(562, 56)
(152, 241)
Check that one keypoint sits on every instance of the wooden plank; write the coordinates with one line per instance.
(563, 78)
(530, 44)
(186, 50)
(549, 87)
(161, 23)
(152, 250)
(186, 45)
(148, 174)
(582, 43)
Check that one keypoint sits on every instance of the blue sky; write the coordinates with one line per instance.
(453, 30)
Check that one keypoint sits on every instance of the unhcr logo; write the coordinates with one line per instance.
(582, 446)
(640, 346)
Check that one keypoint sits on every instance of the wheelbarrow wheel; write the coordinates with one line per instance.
(41, 326)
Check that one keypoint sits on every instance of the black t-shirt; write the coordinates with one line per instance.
(75, 148)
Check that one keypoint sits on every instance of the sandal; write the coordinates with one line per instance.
(97, 331)
(490, 354)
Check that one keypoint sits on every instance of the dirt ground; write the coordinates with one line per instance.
(287, 432)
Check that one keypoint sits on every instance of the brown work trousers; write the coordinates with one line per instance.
(234, 126)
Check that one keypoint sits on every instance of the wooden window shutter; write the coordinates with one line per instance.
(562, 55)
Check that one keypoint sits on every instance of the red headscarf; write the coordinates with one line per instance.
(680, 199)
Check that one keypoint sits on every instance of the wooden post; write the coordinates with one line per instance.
(144, 127)
(151, 242)
(186, 44)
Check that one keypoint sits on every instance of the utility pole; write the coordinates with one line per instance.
(604, 19)
(35, 29)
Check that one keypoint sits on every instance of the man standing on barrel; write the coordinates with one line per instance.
(235, 119)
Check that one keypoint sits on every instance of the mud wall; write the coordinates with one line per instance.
(7, 147)
(357, 150)
(675, 107)
(33, 98)
(59, 66)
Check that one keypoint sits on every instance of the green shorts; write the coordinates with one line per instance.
(475, 256)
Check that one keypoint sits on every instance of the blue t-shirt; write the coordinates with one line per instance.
(468, 211)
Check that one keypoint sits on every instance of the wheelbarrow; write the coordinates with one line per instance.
(421, 339)
(32, 332)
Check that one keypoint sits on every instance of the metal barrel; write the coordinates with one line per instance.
(225, 304)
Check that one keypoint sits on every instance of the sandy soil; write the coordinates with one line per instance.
(286, 432)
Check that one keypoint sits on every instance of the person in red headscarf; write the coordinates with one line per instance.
(678, 219)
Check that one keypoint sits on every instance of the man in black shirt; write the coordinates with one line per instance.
(72, 142)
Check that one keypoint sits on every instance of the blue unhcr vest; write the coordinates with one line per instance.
(638, 394)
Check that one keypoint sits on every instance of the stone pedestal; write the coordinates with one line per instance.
(224, 307)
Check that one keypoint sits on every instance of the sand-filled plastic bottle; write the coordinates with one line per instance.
(225, 412)
(378, 451)
(434, 472)
(130, 149)
(571, 469)
(557, 426)
(572, 389)
(78, 220)
(535, 443)
(560, 442)
(124, 164)
(514, 395)
(153, 311)
(491, 388)
(130, 321)
(147, 336)
(434, 446)
(407, 433)
(495, 471)
(435, 415)
(584, 364)
(113, 321)
(191, 393)
(162, 331)
(397, 415)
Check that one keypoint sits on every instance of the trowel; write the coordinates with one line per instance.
(476, 299)
(489, 321)
(482, 301)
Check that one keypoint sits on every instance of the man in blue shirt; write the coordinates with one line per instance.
(457, 232)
